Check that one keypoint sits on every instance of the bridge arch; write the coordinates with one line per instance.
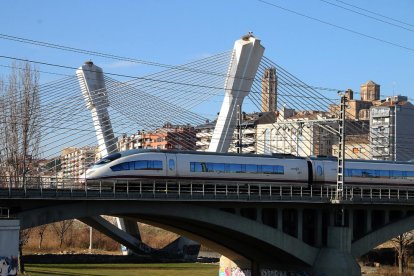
(383, 234)
(229, 234)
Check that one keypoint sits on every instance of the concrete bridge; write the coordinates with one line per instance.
(287, 229)
(279, 227)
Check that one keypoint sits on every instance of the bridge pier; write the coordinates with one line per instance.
(9, 246)
(336, 258)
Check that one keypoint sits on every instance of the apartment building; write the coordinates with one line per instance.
(391, 130)
(75, 162)
(179, 137)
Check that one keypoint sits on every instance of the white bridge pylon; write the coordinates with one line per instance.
(92, 84)
(242, 70)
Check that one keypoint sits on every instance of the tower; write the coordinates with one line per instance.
(370, 91)
(269, 90)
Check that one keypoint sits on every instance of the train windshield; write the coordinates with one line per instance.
(108, 158)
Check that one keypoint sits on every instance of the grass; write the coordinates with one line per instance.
(181, 269)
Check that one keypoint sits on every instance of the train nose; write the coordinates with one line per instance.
(90, 173)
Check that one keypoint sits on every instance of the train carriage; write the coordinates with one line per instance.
(364, 173)
(228, 169)
(201, 166)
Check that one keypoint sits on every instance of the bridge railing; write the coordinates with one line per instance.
(201, 190)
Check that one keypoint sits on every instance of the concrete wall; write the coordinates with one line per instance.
(9, 246)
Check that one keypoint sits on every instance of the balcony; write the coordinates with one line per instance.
(202, 143)
(204, 135)
(248, 131)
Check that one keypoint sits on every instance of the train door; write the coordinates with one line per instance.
(318, 172)
(171, 165)
(331, 170)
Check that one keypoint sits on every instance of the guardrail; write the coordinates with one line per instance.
(199, 190)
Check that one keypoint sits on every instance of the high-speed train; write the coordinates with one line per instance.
(248, 168)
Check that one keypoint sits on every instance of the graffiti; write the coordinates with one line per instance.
(8, 266)
(234, 271)
(272, 272)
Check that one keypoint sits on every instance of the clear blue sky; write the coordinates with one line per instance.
(176, 32)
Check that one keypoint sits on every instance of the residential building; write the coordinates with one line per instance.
(179, 137)
(204, 133)
(301, 133)
(75, 162)
(391, 129)
(249, 131)
(356, 147)
(130, 142)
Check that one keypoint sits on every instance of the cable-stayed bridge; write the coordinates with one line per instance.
(273, 226)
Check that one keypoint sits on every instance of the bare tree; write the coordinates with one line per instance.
(61, 229)
(40, 233)
(23, 240)
(20, 132)
(401, 244)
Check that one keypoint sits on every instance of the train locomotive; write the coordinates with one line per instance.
(272, 169)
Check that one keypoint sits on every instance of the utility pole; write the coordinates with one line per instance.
(340, 178)
(341, 151)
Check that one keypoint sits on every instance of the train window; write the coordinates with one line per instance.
(121, 167)
(279, 169)
(397, 174)
(138, 165)
(273, 169)
(267, 169)
(235, 168)
(171, 164)
(147, 165)
(250, 168)
(125, 166)
(356, 173)
(215, 167)
(384, 174)
(155, 165)
(108, 158)
(319, 170)
(116, 168)
(141, 165)
(368, 173)
(410, 175)
(198, 167)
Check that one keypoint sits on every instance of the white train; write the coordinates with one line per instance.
(274, 169)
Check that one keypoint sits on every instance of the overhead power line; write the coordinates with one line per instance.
(378, 14)
(340, 27)
(368, 16)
